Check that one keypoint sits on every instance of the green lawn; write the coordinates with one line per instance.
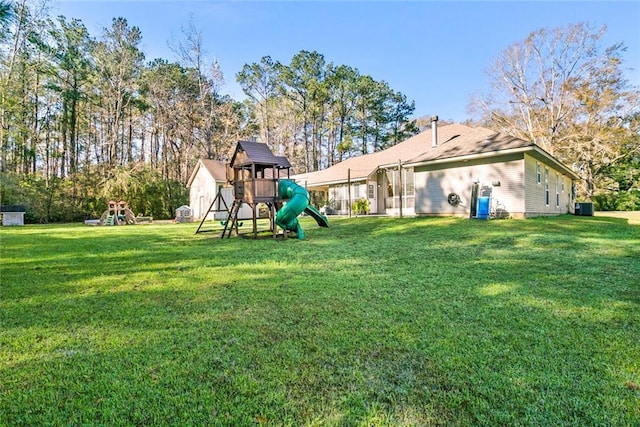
(372, 322)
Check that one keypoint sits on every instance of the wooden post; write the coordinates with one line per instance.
(255, 220)
(272, 219)
(349, 191)
(400, 179)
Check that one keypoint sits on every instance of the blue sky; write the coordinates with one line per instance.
(436, 53)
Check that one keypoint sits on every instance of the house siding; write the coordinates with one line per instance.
(535, 192)
(201, 194)
(433, 184)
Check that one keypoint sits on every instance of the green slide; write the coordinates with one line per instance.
(297, 202)
(320, 219)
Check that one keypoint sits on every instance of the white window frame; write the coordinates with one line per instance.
(547, 196)
(557, 191)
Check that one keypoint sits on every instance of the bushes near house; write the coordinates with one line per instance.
(360, 207)
(628, 200)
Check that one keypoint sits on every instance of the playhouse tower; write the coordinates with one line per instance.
(254, 172)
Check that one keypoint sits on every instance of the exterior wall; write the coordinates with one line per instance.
(536, 203)
(12, 218)
(434, 183)
(202, 192)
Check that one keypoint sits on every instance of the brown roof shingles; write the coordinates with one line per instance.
(478, 141)
(362, 166)
(258, 153)
(216, 168)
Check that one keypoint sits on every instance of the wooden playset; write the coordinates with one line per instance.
(259, 177)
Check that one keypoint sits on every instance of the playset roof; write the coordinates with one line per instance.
(256, 153)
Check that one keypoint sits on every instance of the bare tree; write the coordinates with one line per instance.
(562, 90)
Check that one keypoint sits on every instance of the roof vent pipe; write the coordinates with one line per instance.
(434, 131)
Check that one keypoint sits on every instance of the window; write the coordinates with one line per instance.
(557, 191)
(538, 174)
(392, 201)
(546, 186)
(408, 182)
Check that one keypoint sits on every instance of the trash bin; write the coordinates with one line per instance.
(483, 207)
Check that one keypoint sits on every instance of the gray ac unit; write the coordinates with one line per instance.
(584, 209)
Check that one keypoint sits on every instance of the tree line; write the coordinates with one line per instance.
(85, 119)
(319, 114)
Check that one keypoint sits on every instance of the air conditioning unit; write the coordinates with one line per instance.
(584, 209)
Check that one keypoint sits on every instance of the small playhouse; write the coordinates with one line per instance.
(259, 178)
(184, 214)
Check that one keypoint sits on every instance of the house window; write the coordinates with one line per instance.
(409, 188)
(562, 184)
(538, 174)
(546, 186)
(557, 191)
(392, 201)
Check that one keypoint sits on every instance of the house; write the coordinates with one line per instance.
(448, 171)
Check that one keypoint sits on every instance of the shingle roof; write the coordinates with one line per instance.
(361, 167)
(478, 141)
(482, 142)
(216, 168)
(454, 142)
(283, 162)
(257, 153)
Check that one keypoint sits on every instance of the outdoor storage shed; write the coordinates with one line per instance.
(12, 214)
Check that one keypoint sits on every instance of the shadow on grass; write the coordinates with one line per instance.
(373, 321)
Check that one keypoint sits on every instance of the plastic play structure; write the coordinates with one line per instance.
(259, 177)
(117, 213)
(298, 202)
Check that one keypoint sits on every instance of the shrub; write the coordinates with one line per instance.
(617, 201)
(360, 206)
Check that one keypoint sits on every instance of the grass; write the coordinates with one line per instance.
(372, 322)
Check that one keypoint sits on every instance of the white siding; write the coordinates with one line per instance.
(202, 192)
(535, 199)
(434, 185)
